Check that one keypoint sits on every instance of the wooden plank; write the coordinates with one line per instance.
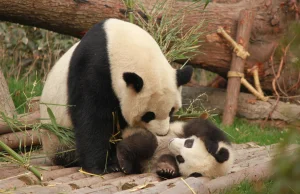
(268, 156)
(108, 189)
(87, 182)
(129, 180)
(70, 177)
(259, 172)
(157, 188)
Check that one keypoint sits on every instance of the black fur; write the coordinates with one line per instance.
(134, 149)
(148, 116)
(210, 134)
(180, 159)
(184, 75)
(133, 80)
(195, 174)
(90, 90)
(167, 167)
(222, 155)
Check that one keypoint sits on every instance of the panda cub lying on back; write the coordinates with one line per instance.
(193, 148)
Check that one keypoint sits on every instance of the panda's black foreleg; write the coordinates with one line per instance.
(134, 149)
(167, 167)
(93, 147)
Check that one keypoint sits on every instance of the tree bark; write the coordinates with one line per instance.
(71, 18)
(6, 104)
(249, 107)
(237, 65)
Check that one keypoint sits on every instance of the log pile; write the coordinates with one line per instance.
(252, 164)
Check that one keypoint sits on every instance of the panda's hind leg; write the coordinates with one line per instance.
(167, 167)
(138, 146)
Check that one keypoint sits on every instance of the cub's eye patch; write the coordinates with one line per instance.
(172, 111)
(195, 174)
(148, 116)
(180, 159)
(189, 143)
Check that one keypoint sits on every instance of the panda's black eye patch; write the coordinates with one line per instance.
(180, 159)
(148, 116)
(172, 111)
(189, 143)
(196, 174)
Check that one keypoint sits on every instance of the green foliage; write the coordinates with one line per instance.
(177, 40)
(242, 131)
(22, 90)
(259, 187)
(26, 49)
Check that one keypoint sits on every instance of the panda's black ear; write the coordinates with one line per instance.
(184, 75)
(133, 80)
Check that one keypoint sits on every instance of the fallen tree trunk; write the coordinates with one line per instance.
(71, 18)
(20, 139)
(25, 119)
(6, 104)
(249, 107)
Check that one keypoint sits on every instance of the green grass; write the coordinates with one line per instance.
(242, 131)
(260, 187)
(22, 89)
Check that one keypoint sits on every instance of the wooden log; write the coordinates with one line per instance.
(259, 172)
(249, 107)
(30, 179)
(58, 173)
(87, 182)
(73, 18)
(6, 103)
(26, 119)
(20, 139)
(108, 189)
(129, 179)
(245, 22)
(156, 188)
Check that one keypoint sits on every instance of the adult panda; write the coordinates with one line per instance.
(193, 148)
(116, 69)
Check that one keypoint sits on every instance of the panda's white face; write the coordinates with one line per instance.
(151, 111)
(192, 157)
(146, 85)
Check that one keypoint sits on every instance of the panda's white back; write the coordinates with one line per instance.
(56, 94)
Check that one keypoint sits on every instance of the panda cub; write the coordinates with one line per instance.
(194, 148)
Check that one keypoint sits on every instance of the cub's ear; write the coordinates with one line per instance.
(133, 80)
(184, 75)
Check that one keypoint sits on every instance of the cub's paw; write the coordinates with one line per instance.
(113, 168)
(166, 170)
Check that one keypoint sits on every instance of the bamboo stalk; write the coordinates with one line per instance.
(130, 10)
(253, 90)
(238, 49)
(256, 80)
(21, 160)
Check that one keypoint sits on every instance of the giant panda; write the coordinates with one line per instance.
(193, 148)
(117, 70)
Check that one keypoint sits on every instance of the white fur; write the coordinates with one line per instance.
(198, 159)
(132, 49)
(55, 91)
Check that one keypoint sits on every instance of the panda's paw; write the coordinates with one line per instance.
(166, 170)
(113, 168)
(126, 166)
